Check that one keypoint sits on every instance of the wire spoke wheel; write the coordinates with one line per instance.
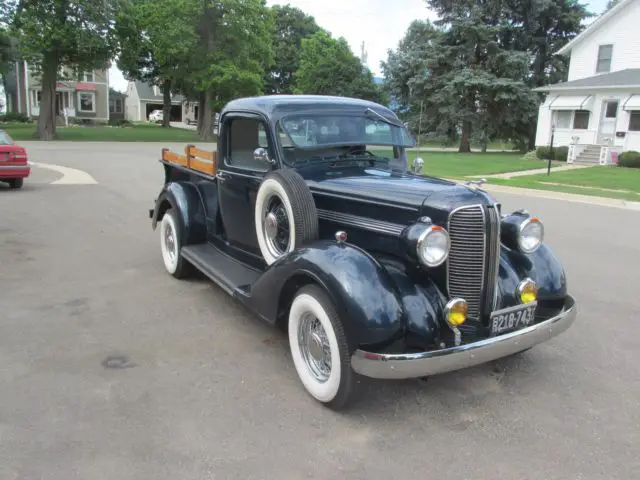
(315, 347)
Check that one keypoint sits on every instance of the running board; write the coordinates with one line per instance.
(228, 273)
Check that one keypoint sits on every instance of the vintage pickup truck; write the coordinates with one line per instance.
(309, 214)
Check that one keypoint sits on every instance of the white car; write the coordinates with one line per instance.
(156, 116)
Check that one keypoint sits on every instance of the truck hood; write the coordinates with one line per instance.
(406, 192)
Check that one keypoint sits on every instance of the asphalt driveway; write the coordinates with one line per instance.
(111, 369)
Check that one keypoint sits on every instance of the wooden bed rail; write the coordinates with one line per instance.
(194, 158)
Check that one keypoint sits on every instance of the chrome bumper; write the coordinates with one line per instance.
(412, 365)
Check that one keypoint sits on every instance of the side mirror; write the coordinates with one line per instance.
(260, 155)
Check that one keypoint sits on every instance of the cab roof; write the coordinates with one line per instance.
(277, 106)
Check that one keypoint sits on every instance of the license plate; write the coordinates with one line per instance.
(513, 318)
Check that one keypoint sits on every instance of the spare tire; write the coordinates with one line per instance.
(285, 214)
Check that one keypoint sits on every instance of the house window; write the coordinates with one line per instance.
(87, 101)
(87, 77)
(604, 58)
(563, 119)
(115, 105)
(634, 121)
(36, 98)
(612, 110)
(581, 120)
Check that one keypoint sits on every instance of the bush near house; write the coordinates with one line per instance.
(559, 153)
(13, 117)
(629, 159)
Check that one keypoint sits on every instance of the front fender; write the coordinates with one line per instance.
(185, 198)
(542, 267)
(363, 292)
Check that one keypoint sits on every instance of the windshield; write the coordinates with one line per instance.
(319, 130)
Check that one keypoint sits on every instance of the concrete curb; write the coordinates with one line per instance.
(569, 197)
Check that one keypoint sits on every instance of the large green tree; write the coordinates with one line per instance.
(156, 39)
(232, 52)
(54, 33)
(291, 26)
(329, 67)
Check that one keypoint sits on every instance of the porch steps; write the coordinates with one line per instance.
(590, 155)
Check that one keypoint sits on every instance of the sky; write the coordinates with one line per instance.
(381, 24)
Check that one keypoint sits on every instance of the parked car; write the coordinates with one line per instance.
(316, 223)
(156, 116)
(14, 165)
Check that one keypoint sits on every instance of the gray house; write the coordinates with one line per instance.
(142, 99)
(80, 96)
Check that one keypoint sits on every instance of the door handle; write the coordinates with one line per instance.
(221, 177)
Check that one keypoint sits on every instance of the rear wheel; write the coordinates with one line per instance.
(170, 245)
(319, 348)
(16, 183)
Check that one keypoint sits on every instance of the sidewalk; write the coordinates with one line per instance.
(524, 173)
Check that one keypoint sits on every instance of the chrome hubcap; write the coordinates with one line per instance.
(315, 348)
(170, 242)
(276, 227)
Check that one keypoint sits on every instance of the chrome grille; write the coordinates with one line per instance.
(467, 257)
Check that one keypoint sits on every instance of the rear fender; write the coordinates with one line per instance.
(186, 200)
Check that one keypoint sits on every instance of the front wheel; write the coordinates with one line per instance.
(320, 349)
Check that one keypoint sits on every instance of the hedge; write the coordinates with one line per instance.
(559, 153)
(629, 159)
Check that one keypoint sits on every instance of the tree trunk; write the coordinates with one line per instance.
(201, 102)
(206, 133)
(166, 103)
(465, 138)
(46, 128)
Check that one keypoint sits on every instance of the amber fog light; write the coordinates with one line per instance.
(527, 291)
(455, 312)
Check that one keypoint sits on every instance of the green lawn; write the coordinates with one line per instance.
(496, 145)
(595, 181)
(133, 133)
(461, 165)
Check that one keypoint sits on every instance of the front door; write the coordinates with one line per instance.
(608, 118)
(239, 176)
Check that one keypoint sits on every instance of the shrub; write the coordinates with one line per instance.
(532, 155)
(629, 159)
(14, 117)
(559, 153)
(119, 122)
(543, 152)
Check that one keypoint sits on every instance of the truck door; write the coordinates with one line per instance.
(239, 176)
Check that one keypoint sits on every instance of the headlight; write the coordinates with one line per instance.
(455, 312)
(527, 291)
(522, 232)
(530, 235)
(433, 246)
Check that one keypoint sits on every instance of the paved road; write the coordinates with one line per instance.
(206, 392)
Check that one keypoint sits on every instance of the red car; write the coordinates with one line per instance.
(14, 167)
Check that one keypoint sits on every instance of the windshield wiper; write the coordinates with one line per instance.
(383, 118)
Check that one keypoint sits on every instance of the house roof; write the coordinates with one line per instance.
(628, 78)
(595, 25)
(145, 92)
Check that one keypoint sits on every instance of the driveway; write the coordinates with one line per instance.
(111, 369)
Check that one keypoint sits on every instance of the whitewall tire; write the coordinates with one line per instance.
(170, 245)
(285, 214)
(319, 348)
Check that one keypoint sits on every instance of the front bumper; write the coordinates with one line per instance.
(412, 365)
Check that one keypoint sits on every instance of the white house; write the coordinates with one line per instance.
(596, 112)
(143, 98)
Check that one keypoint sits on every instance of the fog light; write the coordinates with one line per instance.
(527, 291)
(455, 312)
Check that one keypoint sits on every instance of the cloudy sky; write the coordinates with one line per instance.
(381, 24)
